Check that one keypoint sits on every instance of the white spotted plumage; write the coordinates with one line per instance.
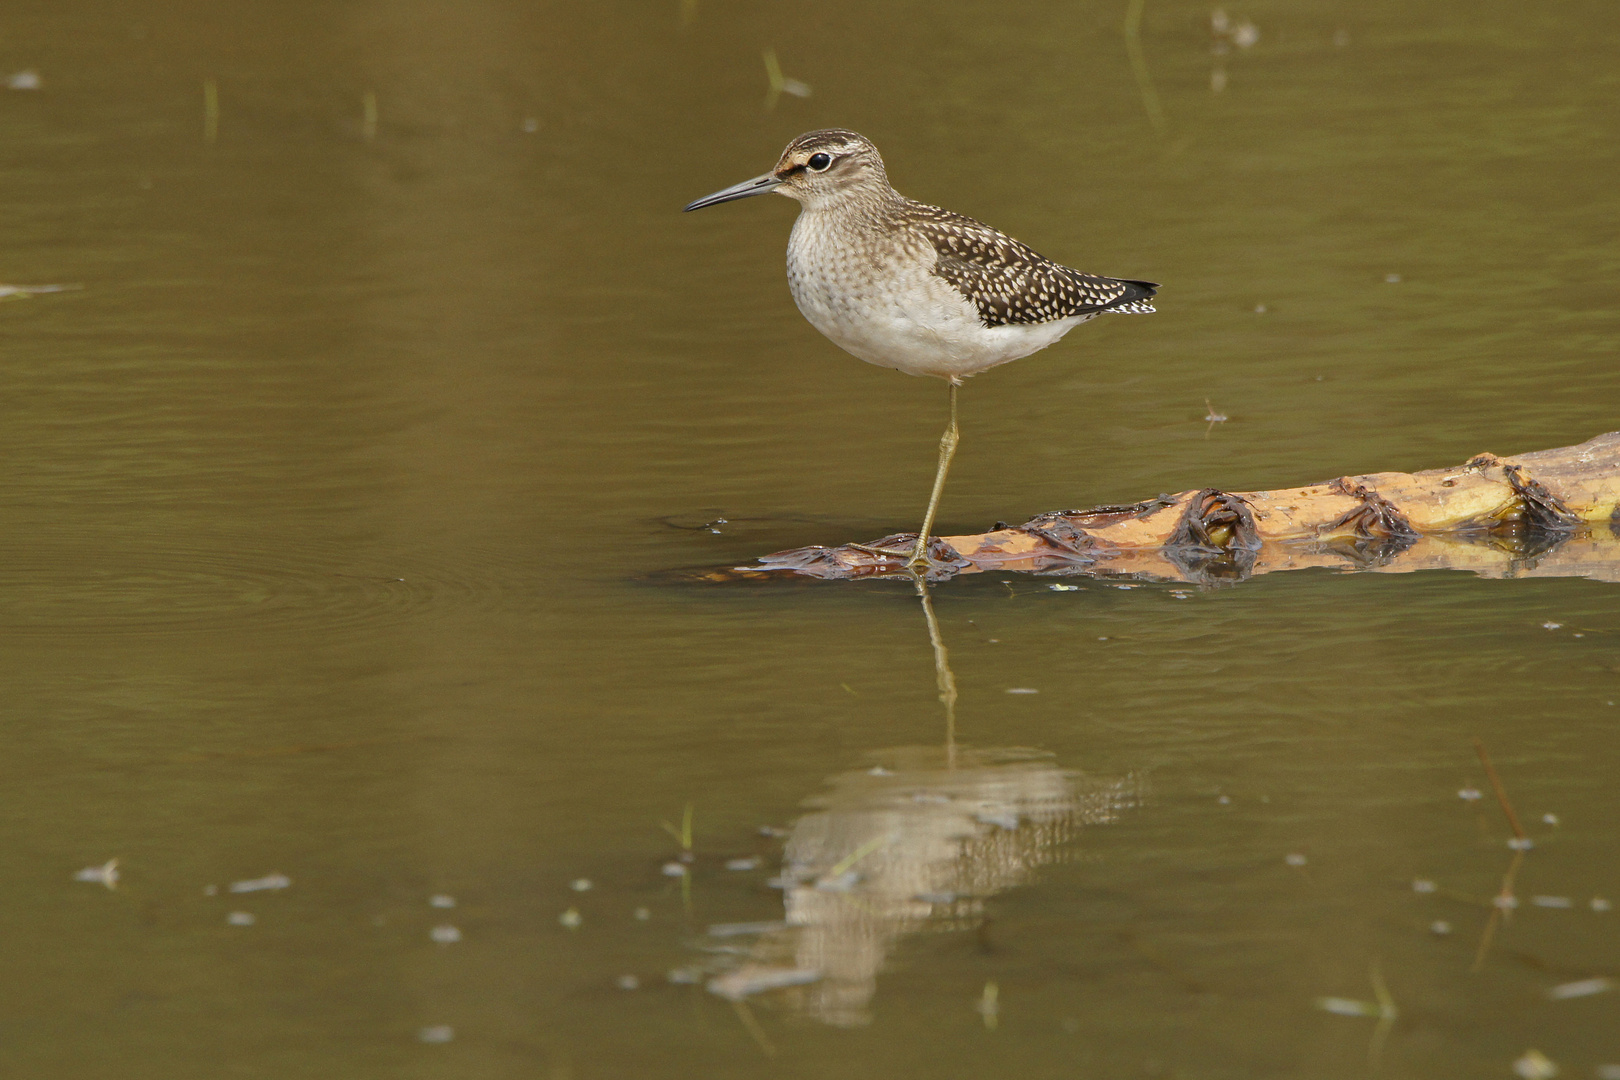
(905, 285)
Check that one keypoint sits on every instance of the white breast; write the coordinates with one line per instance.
(880, 301)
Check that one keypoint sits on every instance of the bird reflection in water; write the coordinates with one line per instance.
(918, 841)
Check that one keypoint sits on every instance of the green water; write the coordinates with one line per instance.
(332, 506)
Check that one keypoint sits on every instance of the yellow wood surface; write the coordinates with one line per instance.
(1548, 513)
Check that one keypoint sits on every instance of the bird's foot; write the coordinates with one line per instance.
(910, 554)
(933, 559)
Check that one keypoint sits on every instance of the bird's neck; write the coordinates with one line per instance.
(856, 206)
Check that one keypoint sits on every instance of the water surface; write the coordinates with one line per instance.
(334, 503)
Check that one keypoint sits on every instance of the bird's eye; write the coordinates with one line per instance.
(819, 162)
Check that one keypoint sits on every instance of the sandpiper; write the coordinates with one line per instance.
(904, 285)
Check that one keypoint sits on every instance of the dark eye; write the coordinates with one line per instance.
(819, 162)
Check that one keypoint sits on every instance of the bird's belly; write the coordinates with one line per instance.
(928, 330)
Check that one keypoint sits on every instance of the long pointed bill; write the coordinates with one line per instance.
(759, 185)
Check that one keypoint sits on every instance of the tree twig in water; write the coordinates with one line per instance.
(751, 1025)
(1502, 907)
(1139, 68)
(1501, 792)
(1501, 910)
(1387, 1014)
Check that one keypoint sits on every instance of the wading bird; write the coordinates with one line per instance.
(904, 285)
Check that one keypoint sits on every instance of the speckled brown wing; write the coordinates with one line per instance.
(1009, 283)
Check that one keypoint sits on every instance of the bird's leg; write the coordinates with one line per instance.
(918, 555)
(947, 450)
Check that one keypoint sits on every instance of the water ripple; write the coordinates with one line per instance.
(204, 587)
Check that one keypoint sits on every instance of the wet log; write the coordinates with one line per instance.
(1548, 513)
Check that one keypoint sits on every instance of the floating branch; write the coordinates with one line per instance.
(1549, 513)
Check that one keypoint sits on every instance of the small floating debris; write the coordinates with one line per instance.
(742, 864)
(1295, 859)
(1535, 1065)
(754, 979)
(778, 84)
(27, 79)
(241, 918)
(1392, 279)
(441, 900)
(1224, 800)
(1064, 588)
(1549, 819)
(269, 881)
(571, 919)
(1001, 819)
(1580, 988)
(1439, 928)
(1243, 33)
(1505, 902)
(1552, 901)
(105, 874)
(368, 115)
(436, 1033)
(1469, 794)
(627, 982)
(741, 929)
(1549, 625)
(642, 914)
(674, 869)
(1022, 690)
(989, 1005)
(1423, 885)
(7, 291)
(1600, 904)
(878, 770)
(583, 884)
(210, 890)
(1339, 1006)
(1521, 843)
(772, 830)
(686, 976)
(445, 934)
(843, 882)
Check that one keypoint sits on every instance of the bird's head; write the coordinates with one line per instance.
(818, 168)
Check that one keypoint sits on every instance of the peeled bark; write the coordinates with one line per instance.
(1550, 513)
